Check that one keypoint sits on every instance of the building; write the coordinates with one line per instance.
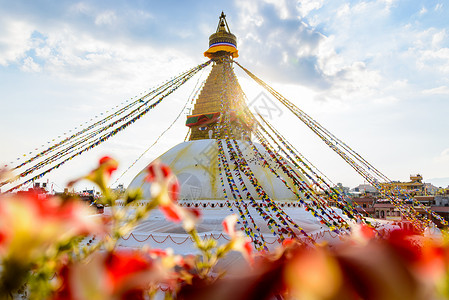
(364, 205)
(414, 187)
(386, 211)
(367, 190)
(344, 190)
(441, 200)
(120, 189)
(430, 189)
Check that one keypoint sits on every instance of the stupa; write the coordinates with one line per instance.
(200, 166)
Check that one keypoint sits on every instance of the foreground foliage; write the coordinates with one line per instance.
(59, 248)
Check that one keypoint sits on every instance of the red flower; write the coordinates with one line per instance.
(172, 212)
(368, 232)
(31, 225)
(101, 175)
(289, 243)
(229, 225)
(121, 274)
(154, 253)
(164, 191)
(175, 213)
(2, 237)
(405, 245)
(238, 241)
(158, 171)
(110, 164)
(164, 185)
(121, 267)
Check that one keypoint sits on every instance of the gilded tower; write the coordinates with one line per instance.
(221, 94)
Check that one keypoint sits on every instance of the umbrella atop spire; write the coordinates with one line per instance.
(222, 42)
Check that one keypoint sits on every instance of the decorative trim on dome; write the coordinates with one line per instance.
(180, 239)
(212, 204)
(222, 204)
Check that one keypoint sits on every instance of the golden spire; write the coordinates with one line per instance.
(221, 92)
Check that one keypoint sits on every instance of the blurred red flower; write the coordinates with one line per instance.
(31, 224)
(121, 274)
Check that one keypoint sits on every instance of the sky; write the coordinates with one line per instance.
(374, 73)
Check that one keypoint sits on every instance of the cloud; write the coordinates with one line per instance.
(423, 11)
(282, 42)
(444, 156)
(14, 40)
(292, 50)
(30, 66)
(70, 52)
(438, 7)
(328, 47)
(394, 46)
(80, 7)
(441, 90)
(106, 18)
(434, 59)
(350, 82)
(281, 7)
(306, 6)
(427, 51)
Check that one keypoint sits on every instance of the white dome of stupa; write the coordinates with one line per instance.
(195, 164)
